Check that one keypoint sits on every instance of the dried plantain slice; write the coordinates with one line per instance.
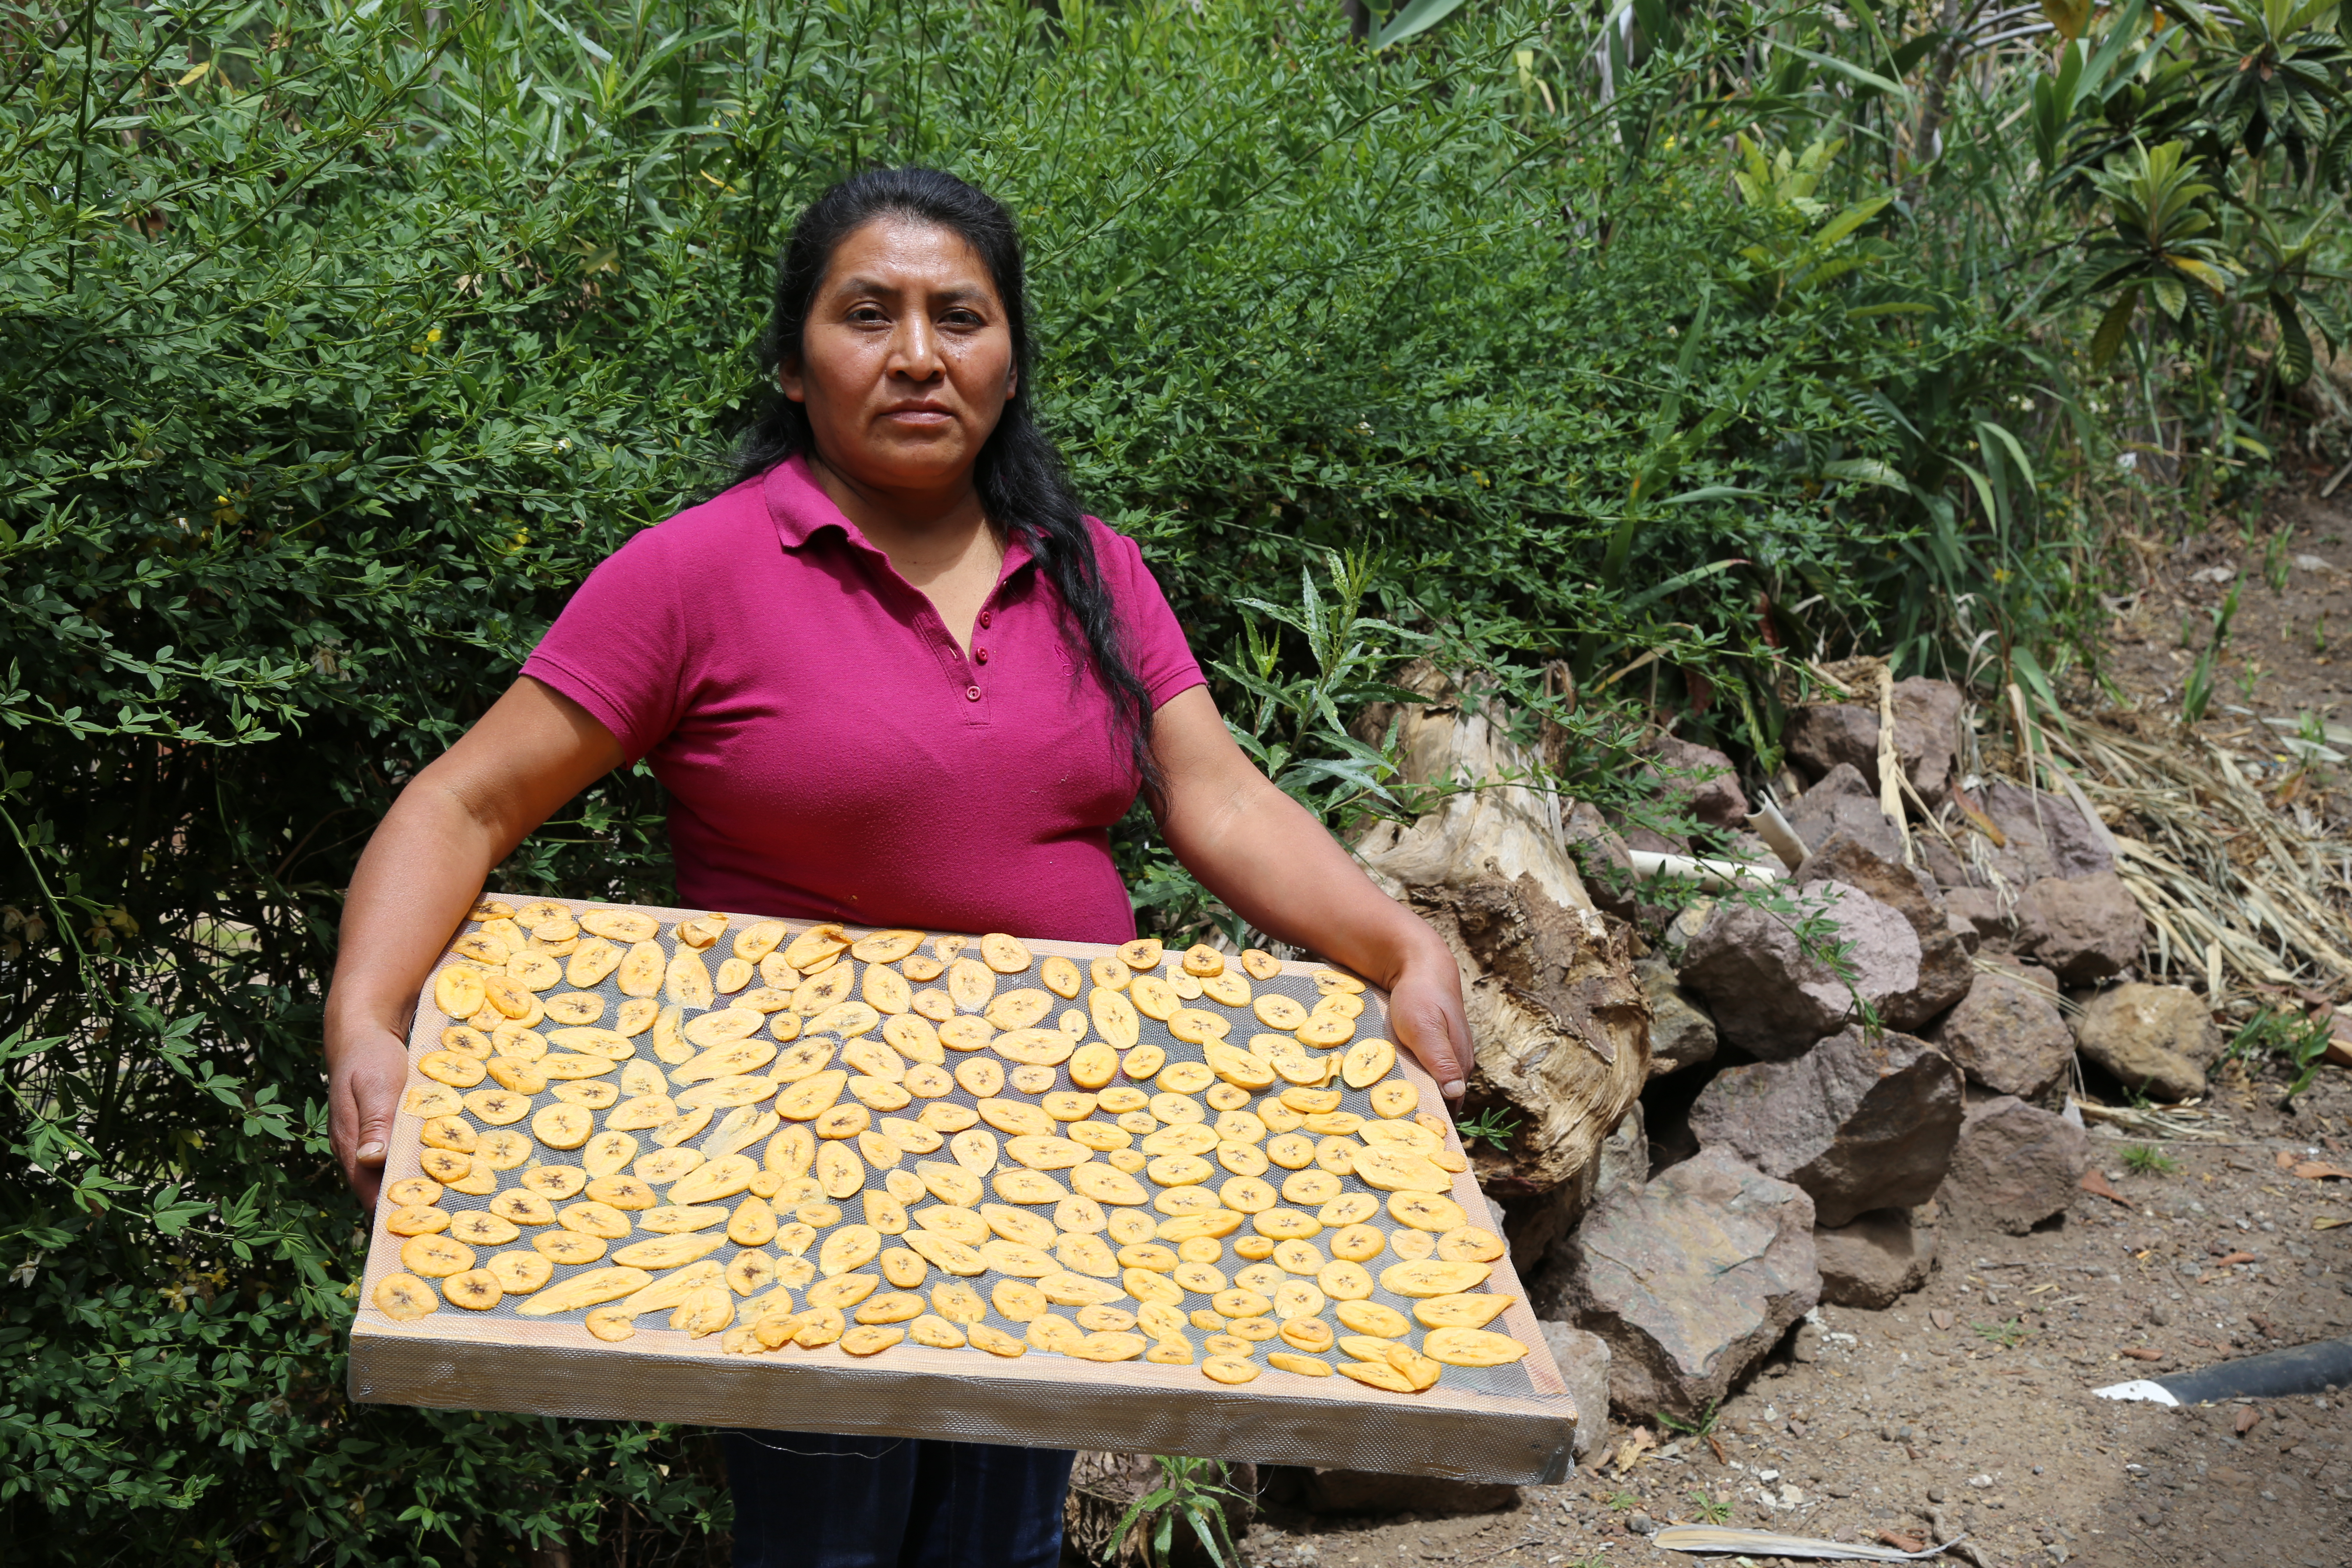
(1004, 954)
(639, 973)
(1367, 1062)
(593, 1289)
(403, 1298)
(884, 946)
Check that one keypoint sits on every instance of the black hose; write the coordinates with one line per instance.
(2305, 1368)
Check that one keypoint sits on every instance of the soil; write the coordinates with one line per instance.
(1973, 1399)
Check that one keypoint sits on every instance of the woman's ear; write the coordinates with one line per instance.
(788, 381)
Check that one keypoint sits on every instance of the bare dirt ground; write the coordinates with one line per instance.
(1972, 1400)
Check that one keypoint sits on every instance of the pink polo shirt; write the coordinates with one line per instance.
(830, 753)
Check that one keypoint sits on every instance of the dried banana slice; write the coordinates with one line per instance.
(476, 1290)
(819, 945)
(1106, 1186)
(1432, 1277)
(958, 1303)
(1231, 1370)
(1471, 1347)
(811, 1097)
(1033, 1047)
(884, 946)
(640, 971)
(970, 984)
(1153, 998)
(1228, 989)
(1004, 954)
(1114, 1017)
(1018, 1009)
(403, 1298)
(435, 1256)
(1143, 1062)
(1143, 953)
(950, 1184)
(458, 990)
(1471, 1244)
(593, 1289)
(1393, 1171)
(450, 1067)
(1324, 1031)
(1367, 1062)
(824, 991)
(945, 1252)
(1027, 1187)
(670, 1251)
(1277, 1011)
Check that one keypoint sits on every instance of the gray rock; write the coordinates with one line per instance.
(1858, 1123)
(2154, 1038)
(1927, 733)
(1537, 1229)
(1843, 801)
(2007, 1035)
(1583, 1361)
(2086, 929)
(1826, 735)
(1603, 861)
(1874, 1259)
(1691, 1280)
(1981, 908)
(1945, 972)
(1681, 1034)
(1772, 1000)
(2046, 832)
(2014, 1166)
(1701, 779)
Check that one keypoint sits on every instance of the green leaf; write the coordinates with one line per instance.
(1415, 18)
(2114, 327)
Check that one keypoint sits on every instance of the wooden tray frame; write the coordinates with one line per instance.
(454, 1361)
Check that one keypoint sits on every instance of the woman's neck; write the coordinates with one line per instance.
(927, 534)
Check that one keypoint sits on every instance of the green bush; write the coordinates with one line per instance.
(337, 342)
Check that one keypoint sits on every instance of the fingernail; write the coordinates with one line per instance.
(376, 1151)
(1452, 1088)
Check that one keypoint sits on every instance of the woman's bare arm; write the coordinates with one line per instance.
(534, 750)
(1265, 855)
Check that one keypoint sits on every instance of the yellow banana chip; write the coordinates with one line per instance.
(403, 1298)
(1393, 1170)
(1231, 1370)
(1432, 1277)
(1367, 1062)
(1018, 1009)
(970, 984)
(670, 1251)
(886, 946)
(1002, 954)
(593, 1289)
(1433, 1212)
(811, 1096)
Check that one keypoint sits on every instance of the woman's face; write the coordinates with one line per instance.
(906, 357)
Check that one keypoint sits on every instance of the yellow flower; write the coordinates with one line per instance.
(433, 336)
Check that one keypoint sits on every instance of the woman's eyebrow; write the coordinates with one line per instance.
(960, 293)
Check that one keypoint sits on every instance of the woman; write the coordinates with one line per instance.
(894, 676)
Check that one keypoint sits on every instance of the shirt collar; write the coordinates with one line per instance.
(801, 511)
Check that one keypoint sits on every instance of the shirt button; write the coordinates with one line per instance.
(980, 655)
(971, 694)
(986, 616)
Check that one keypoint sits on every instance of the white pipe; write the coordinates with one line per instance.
(1649, 863)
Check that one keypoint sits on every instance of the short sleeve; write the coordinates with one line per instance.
(1163, 659)
(618, 649)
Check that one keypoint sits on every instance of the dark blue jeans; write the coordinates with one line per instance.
(806, 1500)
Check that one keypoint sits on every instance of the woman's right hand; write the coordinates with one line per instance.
(534, 750)
(366, 1064)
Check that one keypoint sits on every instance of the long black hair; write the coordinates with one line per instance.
(1024, 488)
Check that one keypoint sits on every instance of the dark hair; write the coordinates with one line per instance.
(1024, 488)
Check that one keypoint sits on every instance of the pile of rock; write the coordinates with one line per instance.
(1806, 1124)
(1715, 1130)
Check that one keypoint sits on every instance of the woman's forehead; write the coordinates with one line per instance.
(897, 253)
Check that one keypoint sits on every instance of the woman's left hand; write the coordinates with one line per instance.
(1426, 1014)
